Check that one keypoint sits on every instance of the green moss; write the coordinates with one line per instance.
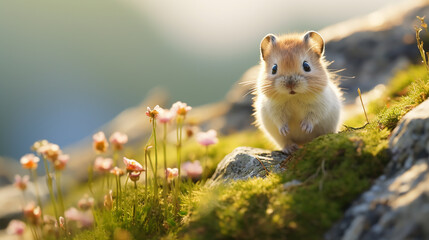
(404, 92)
(418, 91)
(399, 84)
(334, 169)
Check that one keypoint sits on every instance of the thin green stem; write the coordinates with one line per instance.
(179, 161)
(165, 149)
(34, 231)
(156, 160)
(115, 160)
(117, 193)
(33, 172)
(145, 174)
(120, 187)
(59, 191)
(94, 213)
(164, 142)
(126, 182)
(51, 190)
(135, 200)
(205, 164)
(151, 164)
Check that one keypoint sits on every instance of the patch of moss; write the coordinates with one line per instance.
(405, 91)
(418, 91)
(334, 169)
(399, 84)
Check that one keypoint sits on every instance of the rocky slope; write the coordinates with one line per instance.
(397, 204)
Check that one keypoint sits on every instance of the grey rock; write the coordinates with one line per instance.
(409, 138)
(246, 162)
(356, 227)
(397, 205)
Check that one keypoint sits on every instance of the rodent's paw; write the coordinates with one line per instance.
(284, 130)
(307, 126)
(290, 149)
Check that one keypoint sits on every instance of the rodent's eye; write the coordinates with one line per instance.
(306, 66)
(274, 69)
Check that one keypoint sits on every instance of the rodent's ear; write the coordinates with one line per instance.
(266, 41)
(316, 41)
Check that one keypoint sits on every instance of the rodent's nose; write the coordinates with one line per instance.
(290, 84)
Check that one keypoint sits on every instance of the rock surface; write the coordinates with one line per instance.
(246, 162)
(397, 205)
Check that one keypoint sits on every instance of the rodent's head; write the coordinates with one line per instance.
(293, 64)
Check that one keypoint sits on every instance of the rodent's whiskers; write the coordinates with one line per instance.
(248, 83)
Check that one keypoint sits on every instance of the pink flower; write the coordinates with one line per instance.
(61, 162)
(85, 203)
(100, 143)
(165, 115)
(153, 113)
(16, 227)
(133, 165)
(21, 183)
(37, 145)
(134, 176)
(29, 161)
(118, 139)
(171, 173)
(50, 151)
(192, 169)
(117, 171)
(33, 213)
(207, 138)
(102, 164)
(108, 200)
(83, 218)
(181, 108)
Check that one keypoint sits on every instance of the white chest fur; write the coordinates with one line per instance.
(322, 110)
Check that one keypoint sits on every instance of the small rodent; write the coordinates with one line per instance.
(295, 97)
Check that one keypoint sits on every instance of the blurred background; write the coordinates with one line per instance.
(68, 67)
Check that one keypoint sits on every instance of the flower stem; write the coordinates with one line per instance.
(36, 186)
(179, 142)
(145, 174)
(156, 160)
(33, 231)
(120, 187)
(117, 193)
(135, 200)
(179, 161)
(205, 164)
(126, 182)
(165, 170)
(51, 191)
(59, 191)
